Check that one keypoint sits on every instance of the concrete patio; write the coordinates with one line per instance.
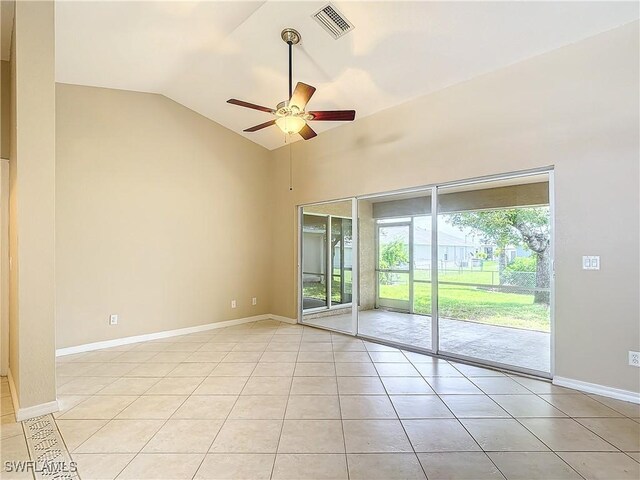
(511, 346)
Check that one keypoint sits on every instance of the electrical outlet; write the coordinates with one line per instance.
(254, 301)
(233, 304)
(113, 319)
(634, 358)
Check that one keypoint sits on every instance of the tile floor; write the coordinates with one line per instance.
(510, 346)
(273, 400)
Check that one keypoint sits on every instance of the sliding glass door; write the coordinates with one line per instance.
(463, 270)
(494, 272)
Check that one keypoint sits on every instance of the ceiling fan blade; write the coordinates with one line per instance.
(260, 127)
(307, 132)
(240, 103)
(334, 115)
(301, 95)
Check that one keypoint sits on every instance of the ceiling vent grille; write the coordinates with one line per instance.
(333, 21)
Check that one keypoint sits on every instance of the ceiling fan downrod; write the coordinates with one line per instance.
(291, 37)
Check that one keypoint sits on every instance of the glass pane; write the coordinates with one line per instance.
(393, 248)
(422, 265)
(494, 272)
(327, 259)
(395, 254)
(314, 283)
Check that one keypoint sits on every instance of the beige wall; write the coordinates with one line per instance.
(32, 205)
(576, 109)
(162, 217)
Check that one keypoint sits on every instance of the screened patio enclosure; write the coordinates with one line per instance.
(472, 281)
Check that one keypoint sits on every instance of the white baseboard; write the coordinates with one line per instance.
(280, 318)
(29, 412)
(88, 347)
(617, 393)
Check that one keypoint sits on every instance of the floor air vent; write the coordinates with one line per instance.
(333, 21)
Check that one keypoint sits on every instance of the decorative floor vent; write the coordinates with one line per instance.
(330, 18)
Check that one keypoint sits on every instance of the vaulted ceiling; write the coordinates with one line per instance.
(201, 53)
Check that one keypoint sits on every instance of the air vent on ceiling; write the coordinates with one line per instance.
(333, 21)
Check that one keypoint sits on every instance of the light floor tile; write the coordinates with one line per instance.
(259, 407)
(406, 385)
(233, 369)
(460, 466)
(175, 386)
(387, 357)
(502, 434)
(565, 434)
(375, 436)
(101, 466)
(76, 432)
(420, 406)
(242, 357)
(356, 369)
(99, 407)
(237, 466)
(162, 466)
(267, 386)
(311, 436)
(153, 407)
(184, 436)
(533, 466)
(209, 407)
(9, 426)
(385, 466)
(435, 369)
(274, 369)
(315, 357)
(396, 370)
(360, 386)
(351, 357)
(248, 436)
(151, 370)
(289, 466)
(473, 371)
(315, 386)
(579, 405)
(355, 407)
(85, 385)
(499, 386)
(453, 386)
(473, 406)
(622, 433)
(602, 466)
(314, 370)
(279, 357)
(129, 386)
(625, 408)
(192, 369)
(121, 436)
(313, 407)
(527, 406)
(439, 435)
(221, 386)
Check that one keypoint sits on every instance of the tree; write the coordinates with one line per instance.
(515, 226)
(392, 255)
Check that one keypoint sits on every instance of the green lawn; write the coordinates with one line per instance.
(460, 301)
(469, 303)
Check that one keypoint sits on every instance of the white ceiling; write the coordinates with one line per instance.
(202, 53)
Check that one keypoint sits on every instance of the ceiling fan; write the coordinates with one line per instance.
(291, 116)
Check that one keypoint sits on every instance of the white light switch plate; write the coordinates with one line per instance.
(113, 319)
(591, 262)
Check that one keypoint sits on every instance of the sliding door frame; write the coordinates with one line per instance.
(435, 348)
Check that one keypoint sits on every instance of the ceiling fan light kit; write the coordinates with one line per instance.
(291, 116)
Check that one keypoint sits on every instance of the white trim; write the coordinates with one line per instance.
(603, 390)
(88, 347)
(280, 318)
(37, 410)
(29, 412)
